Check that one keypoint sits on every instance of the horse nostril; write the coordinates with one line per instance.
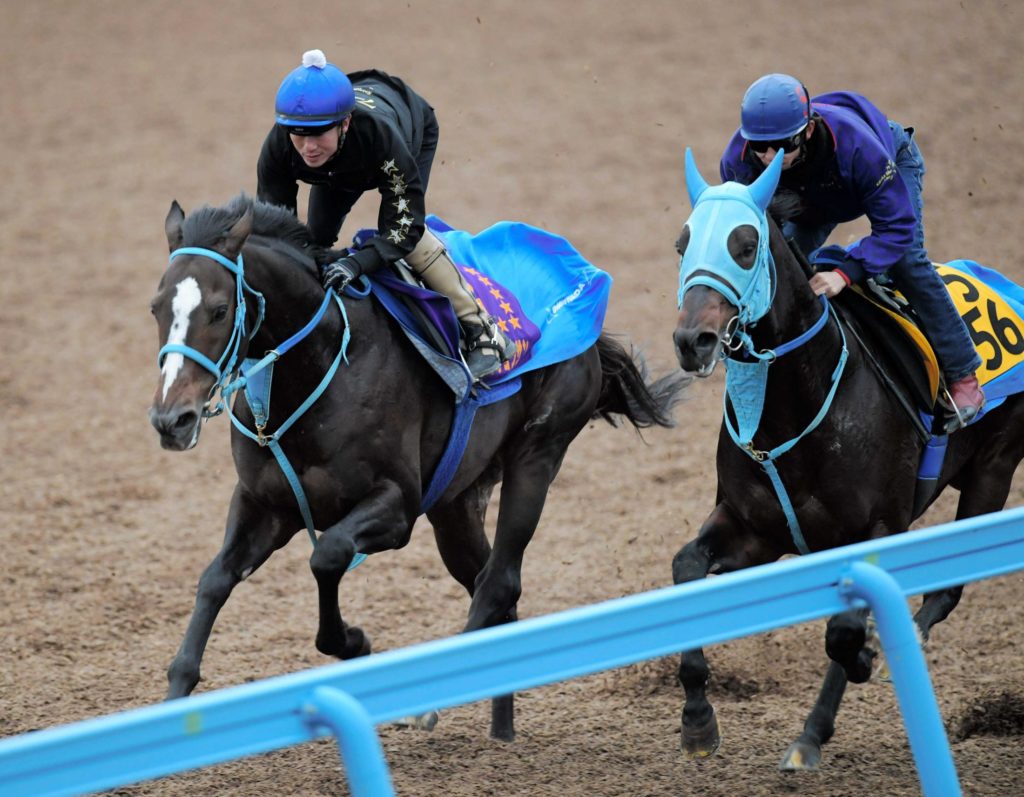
(706, 341)
(185, 421)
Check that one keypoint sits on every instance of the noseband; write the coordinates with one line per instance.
(225, 367)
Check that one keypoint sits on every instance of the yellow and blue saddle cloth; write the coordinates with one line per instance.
(992, 308)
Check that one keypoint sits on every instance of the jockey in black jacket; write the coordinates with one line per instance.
(347, 134)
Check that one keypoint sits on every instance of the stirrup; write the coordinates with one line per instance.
(958, 417)
(487, 348)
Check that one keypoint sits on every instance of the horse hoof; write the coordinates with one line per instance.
(356, 644)
(801, 757)
(420, 722)
(702, 741)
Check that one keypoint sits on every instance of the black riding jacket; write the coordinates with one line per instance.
(378, 152)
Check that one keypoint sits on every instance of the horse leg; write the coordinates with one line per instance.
(464, 548)
(805, 752)
(529, 471)
(846, 642)
(984, 487)
(250, 538)
(721, 546)
(379, 522)
(459, 533)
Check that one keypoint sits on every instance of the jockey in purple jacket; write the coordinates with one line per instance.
(845, 160)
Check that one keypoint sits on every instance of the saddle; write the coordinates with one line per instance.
(901, 355)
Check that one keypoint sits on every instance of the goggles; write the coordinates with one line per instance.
(790, 144)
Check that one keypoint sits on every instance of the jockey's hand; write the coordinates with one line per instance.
(339, 274)
(829, 283)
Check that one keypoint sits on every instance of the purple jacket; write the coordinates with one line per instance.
(850, 171)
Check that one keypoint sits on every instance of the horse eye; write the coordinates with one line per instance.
(682, 241)
(220, 313)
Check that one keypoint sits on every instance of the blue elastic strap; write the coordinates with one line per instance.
(272, 440)
(766, 458)
(462, 423)
(192, 354)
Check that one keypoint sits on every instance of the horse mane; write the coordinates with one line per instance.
(207, 225)
(785, 205)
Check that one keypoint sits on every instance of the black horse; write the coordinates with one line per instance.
(365, 449)
(850, 472)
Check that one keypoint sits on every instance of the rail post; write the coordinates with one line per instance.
(902, 646)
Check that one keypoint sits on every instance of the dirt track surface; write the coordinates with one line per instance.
(573, 117)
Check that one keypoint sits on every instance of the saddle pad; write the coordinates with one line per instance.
(542, 292)
(993, 310)
(561, 294)
(899, 346)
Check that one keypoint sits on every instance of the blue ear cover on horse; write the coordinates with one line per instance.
(763, 188)
(695, 184)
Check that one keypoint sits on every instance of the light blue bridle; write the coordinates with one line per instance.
(717, 211)
(256, 384)
(227, 365)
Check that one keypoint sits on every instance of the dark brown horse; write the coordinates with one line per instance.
(244, 279)
(815, 451)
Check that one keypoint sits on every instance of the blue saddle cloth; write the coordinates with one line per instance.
(543, 293)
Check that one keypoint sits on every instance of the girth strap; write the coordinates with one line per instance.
(462, 423)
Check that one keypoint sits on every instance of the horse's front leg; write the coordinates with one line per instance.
(852, 661)
(530, 467)
(722, 545)
(251, 536)
(381, 521)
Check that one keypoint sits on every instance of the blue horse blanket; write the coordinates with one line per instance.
(539, 289)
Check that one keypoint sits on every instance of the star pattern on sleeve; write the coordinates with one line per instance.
(389, 167)
(396, 236)
(402, 205)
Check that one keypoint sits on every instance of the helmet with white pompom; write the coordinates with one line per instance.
(314, 97)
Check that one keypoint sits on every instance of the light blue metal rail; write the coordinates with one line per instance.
(347, 699)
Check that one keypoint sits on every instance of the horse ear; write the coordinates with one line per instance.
(695, 184)
(235, 238)
(763, 187)
(172, 225)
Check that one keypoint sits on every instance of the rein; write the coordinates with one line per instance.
(255, 376)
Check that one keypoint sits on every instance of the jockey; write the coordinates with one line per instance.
(348, 134)
(845, 160)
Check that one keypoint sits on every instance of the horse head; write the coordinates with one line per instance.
(726, 271)
(200, 313)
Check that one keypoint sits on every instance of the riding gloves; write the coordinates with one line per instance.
(339, 274)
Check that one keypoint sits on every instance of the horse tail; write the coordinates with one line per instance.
(625, 390)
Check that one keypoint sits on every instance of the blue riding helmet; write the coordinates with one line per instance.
(315, 95)
(775, 107)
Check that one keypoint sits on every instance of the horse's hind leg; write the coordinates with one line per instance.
(721, 546)
(984, 487)
(251, 536)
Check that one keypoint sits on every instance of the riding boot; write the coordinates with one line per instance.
(967, 400)
(486, 347)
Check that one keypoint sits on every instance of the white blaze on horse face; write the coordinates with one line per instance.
(187, 298)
